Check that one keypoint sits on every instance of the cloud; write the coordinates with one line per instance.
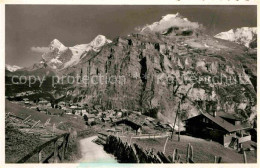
(40, 49)
(170, 20)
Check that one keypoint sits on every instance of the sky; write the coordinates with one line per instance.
(31, 28)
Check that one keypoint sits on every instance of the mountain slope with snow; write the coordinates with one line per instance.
(244, 35)
(12, 68)
(60, 56)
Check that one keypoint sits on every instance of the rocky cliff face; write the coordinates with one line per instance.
(159, 69)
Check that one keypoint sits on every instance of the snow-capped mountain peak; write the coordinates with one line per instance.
(243, 35)
(56, 44)
(60, 56)
(99, 41)
(12, 68)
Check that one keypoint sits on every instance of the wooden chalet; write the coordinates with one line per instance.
(221, 127)
(133, 125)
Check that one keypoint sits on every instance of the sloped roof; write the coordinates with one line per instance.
(54, 111)
(229, 116)
(128, 122)
(90, 115)
(223, 123)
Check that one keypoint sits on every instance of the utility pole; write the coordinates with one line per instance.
(179, 138)
(177, 114)
(175, 119)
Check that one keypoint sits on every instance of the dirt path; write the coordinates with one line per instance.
(93, 153)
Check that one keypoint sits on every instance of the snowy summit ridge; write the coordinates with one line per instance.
(60, 56)
(12, 68)
(243, 35)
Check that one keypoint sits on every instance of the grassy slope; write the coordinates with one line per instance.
(72, 121)
(19, 144)
(204, 151)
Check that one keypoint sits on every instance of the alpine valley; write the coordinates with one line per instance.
(163, 63)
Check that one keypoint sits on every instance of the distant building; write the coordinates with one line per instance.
(48, 105)
(91, 118)
(33, 107)
(54, 111)
(61, 103)
(79, 111)
(73, 107)
(43, 102)
(105, 119)
(42, 99)
(27, 102)
(119, 114)
(130, 124)
(25, 99)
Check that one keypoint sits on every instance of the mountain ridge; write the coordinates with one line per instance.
(60, 56)
(243, 35)
(12, 68)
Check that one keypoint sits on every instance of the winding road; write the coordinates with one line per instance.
(93, 153)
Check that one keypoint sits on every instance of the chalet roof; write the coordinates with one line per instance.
(42, 99)
(223, 123)
(133, 124)
(229, 116)
(43, 102)
(54, 111)
(73, 107)
(149, 118)
(90, 115)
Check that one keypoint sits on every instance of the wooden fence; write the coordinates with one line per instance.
(127, 153)
(149, 136)
(57, 154)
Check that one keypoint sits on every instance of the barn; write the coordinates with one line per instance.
(221, 127)
(128, 124)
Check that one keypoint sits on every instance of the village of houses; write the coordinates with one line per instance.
(221, 128)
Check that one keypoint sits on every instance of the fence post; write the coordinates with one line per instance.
(165, 145)
(67, 141)
(130, 140)
(191, 152)
(55, 159)
(244, 154)
(173, 155)
(179, 159)
(40, 157)
(188, 152)
(63, 148)
(219, 159)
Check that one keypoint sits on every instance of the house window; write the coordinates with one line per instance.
(205, 120)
